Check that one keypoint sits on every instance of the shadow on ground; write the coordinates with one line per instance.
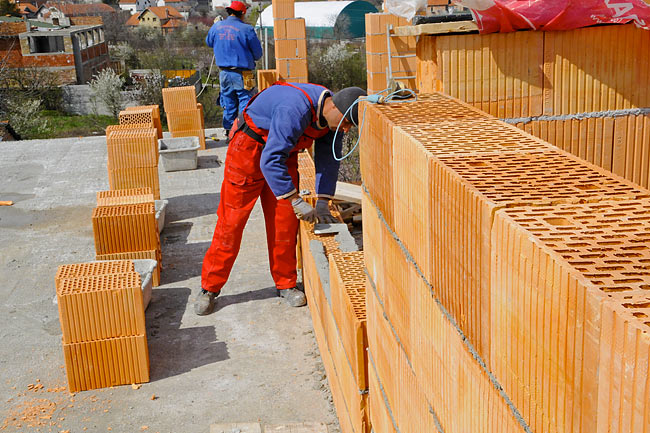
(182, 207)
(224, 300)
(192, 347)
(209, 161)
(214, 144)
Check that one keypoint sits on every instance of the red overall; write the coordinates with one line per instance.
(243, 183)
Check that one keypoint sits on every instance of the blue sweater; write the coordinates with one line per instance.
(285, 112)
(235, 44)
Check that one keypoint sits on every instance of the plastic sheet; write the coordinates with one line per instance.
(405, 8)
(494, 16)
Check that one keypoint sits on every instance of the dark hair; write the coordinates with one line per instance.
(234, 12)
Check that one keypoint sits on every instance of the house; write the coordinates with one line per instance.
(58, 13)
(27, 10)
(74, 53)
(182, 6)
(136, 6)
(165, 18)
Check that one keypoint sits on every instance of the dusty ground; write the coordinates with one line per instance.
(253, 360)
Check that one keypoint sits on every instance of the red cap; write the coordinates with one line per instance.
(238, 6)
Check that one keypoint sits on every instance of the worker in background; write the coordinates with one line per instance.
(236, 48)
(262, 161)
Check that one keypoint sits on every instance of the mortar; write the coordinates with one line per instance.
(180, 153)
(145, 268)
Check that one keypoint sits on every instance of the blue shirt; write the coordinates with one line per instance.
(285, 112)
(235, 44)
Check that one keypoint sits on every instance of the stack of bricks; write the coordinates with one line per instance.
(184, 114)
(103, 326)
(403, 62)
(133, 152)
(143, 114)
(550, 85)
(127, 231)
(124, 197)
(336, 297)
(505, 278)
(290, 42)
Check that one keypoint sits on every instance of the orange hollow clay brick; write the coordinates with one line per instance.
(179, 98)
(77, 270)
(111, 128)
(124, 196)
(139, 177)
(108, 362)
(139, 116)
(155, 110)
(296, 28)
(290, 68)
(350, 402)
(125, 228)
(348, 299)
(266, 78)
(138, 255)
(571, 316)
(185, 120)
(418, 355)
(132, 148)
(97, 307)
(283, 8)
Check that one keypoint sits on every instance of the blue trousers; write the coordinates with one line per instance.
(233, 97)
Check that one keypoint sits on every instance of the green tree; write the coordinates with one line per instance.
(8, 8)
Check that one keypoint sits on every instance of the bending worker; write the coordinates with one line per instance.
(236, 48)
(262, 161)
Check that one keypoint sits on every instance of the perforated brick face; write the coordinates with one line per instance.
(350, 267)
(76, 270)
(97, 283)
(608, 243)
(539, 177)
(124, 196)
(472, 136)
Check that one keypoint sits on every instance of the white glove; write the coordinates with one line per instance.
(303, 210)
(323, 212)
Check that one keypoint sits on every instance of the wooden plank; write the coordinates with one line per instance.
(348, 192)
(437, 28)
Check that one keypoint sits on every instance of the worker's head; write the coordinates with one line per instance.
(236, 8)
(338, 106)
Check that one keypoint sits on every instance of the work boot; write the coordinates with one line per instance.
(204, 302)
(293, 297)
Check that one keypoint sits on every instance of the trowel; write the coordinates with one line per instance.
(322, 229)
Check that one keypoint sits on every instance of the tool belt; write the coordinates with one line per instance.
(243, 126)
(247, 75)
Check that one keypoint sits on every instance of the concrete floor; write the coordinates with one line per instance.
(253, 360)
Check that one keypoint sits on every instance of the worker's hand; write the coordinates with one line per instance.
(303, 210)
(323, 212)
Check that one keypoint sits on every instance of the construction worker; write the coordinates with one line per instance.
(262, 161)
(236, 48)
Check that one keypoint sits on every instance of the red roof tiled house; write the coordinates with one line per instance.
(165, 18)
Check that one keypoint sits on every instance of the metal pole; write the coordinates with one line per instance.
(266, 48)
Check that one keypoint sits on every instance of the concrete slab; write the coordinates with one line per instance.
(236, 428)
(306, 427)
(253, 360)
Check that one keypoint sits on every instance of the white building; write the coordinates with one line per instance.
(136, 6)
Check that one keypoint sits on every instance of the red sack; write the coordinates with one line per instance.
(493, 16)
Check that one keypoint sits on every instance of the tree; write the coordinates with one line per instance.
(8, 8)
(106, 87)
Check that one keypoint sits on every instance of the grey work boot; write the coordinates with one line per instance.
(293, 297)
(204, 302)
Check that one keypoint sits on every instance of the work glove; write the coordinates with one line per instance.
(323, 212)
(303, 210)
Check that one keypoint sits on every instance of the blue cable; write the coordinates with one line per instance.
(373, 99)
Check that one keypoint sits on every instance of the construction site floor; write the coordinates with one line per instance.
(253, 360)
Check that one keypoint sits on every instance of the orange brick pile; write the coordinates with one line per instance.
(377, 26)
(133, 149)
(290, 42)
(125, 227)
(184, 114)
(496, 260)
(102, 320)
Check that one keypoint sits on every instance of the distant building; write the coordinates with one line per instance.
(74, 53)
(165, 18)
(136, 6)
(27, 10)
(59, 13)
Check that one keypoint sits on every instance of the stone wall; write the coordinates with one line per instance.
(77, 100)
